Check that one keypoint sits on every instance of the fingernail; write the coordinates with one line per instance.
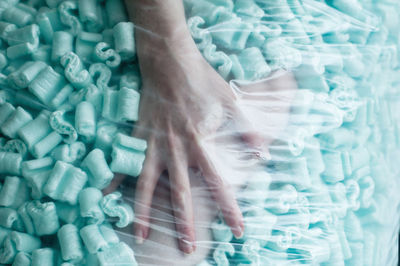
(139, 236)
(187, 246)
(238, 232)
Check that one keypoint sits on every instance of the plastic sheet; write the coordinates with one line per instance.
(297, 126)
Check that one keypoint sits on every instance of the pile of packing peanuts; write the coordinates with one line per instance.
(70, 92)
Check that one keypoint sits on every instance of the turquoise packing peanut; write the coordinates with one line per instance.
(113, 206)
(14, 192)
(22, 259)
(120, 254)
(47, 84)
(93, 239)
(26, 219)
(220, 253)
(104, 53)
(35, 130)
(8, 217)
(258, 225)
(49, 22)
(91, 15)
(85, 45)
(32, 167)
(59, 122)
(10, 163)
(42, 53)
(75, 71)
(69, 153)
(105, 134)
(63, 42)
(26, 74)
(109, 233)
(43, 256)
(4, 232)
(221, 232)
(110, 104)
(128, 155)
(46, 145)
(17, 16)
(253, 64)
(124, 40)
(17, 120)
(44, 217)
(5, 28)
(61, 97)
(232, 35)
(218, 60)
(65, 182)
(89, 199)
(70, 243)
(116, 12)
(85, 121)
(66, 11)
(333, 167)
(99, 173)
(103, 74)
(16, 242)
(128, 105)
(6, 110)
(27, 34)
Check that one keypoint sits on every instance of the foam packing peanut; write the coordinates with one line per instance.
(128, 155)
(22, 259)
(44, 256)
(65, 182)
(113, 206)
(258, 225)
(46, 145)
(221, 252)
(10, 163)
(104, 76)
(59, 122)
(35, 130)
(17, 16)
(99, 173)
(122, 105)
(221, 231)
(70, 243)
(49, 22)
(69, 153)
(14, 192)
(66, 11)
(91, 15)
(44, 217)
(85, 120)
(96, 237)
(75, 71)
(15, 121)
(104, 53)
(89, 203)
(63, 42)
(47, 84)
(119, 254)
(17, 242)
(218, 60)
(8, 218)
(26, 74)
(124, 40)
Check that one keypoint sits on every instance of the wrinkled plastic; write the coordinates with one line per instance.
(319, 81)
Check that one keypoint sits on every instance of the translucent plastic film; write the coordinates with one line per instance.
(251, 132)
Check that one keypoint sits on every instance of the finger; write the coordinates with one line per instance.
(116, 181)
(181, 198)
(145, 186)
(221, 191)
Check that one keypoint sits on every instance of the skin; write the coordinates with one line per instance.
(184, 102)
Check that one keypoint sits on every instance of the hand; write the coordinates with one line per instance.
(184, 104)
